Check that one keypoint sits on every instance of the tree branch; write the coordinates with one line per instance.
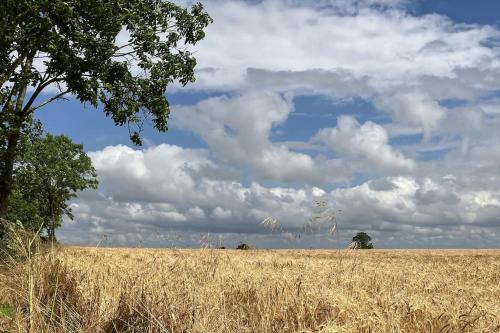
(50, 100)
(37, 92)
(124, 54)
(8, 100)
(24, 87)
(124, 45)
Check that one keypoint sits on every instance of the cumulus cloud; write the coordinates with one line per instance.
(376, 50)
(406, 65)
(171, 191)
(414, 109)
(425, 76)
(387, 206)
(237, 129)
(424, 202)
(169, 167)
(340, 42)
(422, 209)
(368, 142)
(334, 83)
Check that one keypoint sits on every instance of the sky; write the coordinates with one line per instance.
(386, 111)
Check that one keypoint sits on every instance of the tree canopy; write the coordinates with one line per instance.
(364, 240)
(51, 172)
(120, 54)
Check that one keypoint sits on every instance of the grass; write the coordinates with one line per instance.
(150, 290)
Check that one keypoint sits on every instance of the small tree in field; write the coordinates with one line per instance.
(243, 246)
(363, 240)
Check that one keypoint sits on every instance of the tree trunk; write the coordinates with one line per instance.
(14, 133)
(51, 230)
(51, 234)
(7, 166)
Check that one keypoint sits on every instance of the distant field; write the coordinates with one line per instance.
(150, 290)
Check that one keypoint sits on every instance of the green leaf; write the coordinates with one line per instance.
(49, 174)
(85, 56)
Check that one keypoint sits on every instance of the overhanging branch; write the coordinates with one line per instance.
(58, 96)
(39, 89)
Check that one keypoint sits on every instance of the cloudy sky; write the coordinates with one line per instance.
(387, 110)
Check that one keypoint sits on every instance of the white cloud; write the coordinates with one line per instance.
(168, 167)
(173, 191)
(237, 129)
(400, 202)
(388, 49)
(220, 213)
(406, 65)
(260, 55)
(415, 109)
(369, 142)
(408, 207)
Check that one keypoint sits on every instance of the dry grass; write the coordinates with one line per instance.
(146, 290)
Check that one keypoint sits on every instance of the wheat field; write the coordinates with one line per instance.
(207, 290)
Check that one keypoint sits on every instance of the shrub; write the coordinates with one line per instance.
(363, 240)
(243, 246)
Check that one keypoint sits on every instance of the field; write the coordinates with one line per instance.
(151, 290)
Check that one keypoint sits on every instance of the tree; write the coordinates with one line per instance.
(120, 54)
(243, 246)
(30, 132)
(363, 240)
(50, 173)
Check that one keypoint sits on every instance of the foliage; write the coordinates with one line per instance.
(364, 240)
(243, 246)
(24, 210)
(30, 131)
(121, 54)
(51, 172)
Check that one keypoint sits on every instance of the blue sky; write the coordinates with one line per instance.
(387, 110)
(470, 12)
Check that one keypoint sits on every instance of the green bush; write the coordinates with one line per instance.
(363, 240)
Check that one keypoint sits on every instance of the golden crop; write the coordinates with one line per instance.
(153, 290)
